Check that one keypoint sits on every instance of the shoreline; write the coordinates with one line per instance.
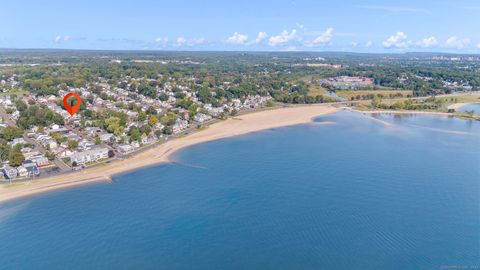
(457, 106)
(233, 126)
(403, 112)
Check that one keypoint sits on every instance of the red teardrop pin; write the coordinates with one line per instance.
(72, 109)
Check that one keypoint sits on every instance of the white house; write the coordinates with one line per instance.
(66, 153)
(40, 161)
(105, 137)
(125, 148)
(89, 155)
(10, 172)
(22, 171)
(52, 144)
(18, 141)
(179, 126)
(201, 117)
(31, 167)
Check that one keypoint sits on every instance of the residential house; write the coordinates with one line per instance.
(65, 153)
(179, 126)
(144, 139)
(92, 131)
(86, 145)
(10, 172)
(105, 137)
(25, 150)
(40, 161)
(125, 148)
(22, 171)
(31, 167)
(201, 117)
(18, 141)
(89, 155)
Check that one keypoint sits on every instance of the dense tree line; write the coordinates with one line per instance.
(233, 75)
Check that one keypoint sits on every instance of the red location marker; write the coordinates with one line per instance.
(72, 109)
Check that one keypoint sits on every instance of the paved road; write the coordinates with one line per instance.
(6, 118)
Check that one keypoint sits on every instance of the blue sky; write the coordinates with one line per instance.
(342, 25)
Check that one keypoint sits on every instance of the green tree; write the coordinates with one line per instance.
(9, 133)
(113, 125)
(21, 106)
(153, 120)
(50, 155)
(376, 102)
(72, 144)
(135, 134)
(4, 151)
(167, 130)
(16, 158)
(168, 119)
(142, 116)
(151, 111)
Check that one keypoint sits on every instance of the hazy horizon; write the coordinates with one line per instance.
(238, 51)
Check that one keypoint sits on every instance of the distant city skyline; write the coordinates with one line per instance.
(354, 26)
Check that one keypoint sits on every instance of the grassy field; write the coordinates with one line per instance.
(439, 104)
(348, 94)
(316, 90)
(461, 99)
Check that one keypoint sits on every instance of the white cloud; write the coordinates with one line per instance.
(368, 44)
(260, 37)
(354, 44)
(478, 46)
(197, 41)
(399, 40)
(59, 39)
(237, 39)
(283, 38)
(161, 40)
(457, 43)
(181, 41)
(324, 38)
(428, 42)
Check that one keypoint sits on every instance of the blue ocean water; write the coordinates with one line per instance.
(381, 192)
(475, 107)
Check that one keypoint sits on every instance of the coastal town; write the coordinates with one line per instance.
(55, 141)
(240, 135)
(129, 105)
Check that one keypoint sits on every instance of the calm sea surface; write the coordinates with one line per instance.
(382, 192)
(475, 107)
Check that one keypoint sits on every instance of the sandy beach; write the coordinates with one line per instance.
(235, 126)
(457, 106)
